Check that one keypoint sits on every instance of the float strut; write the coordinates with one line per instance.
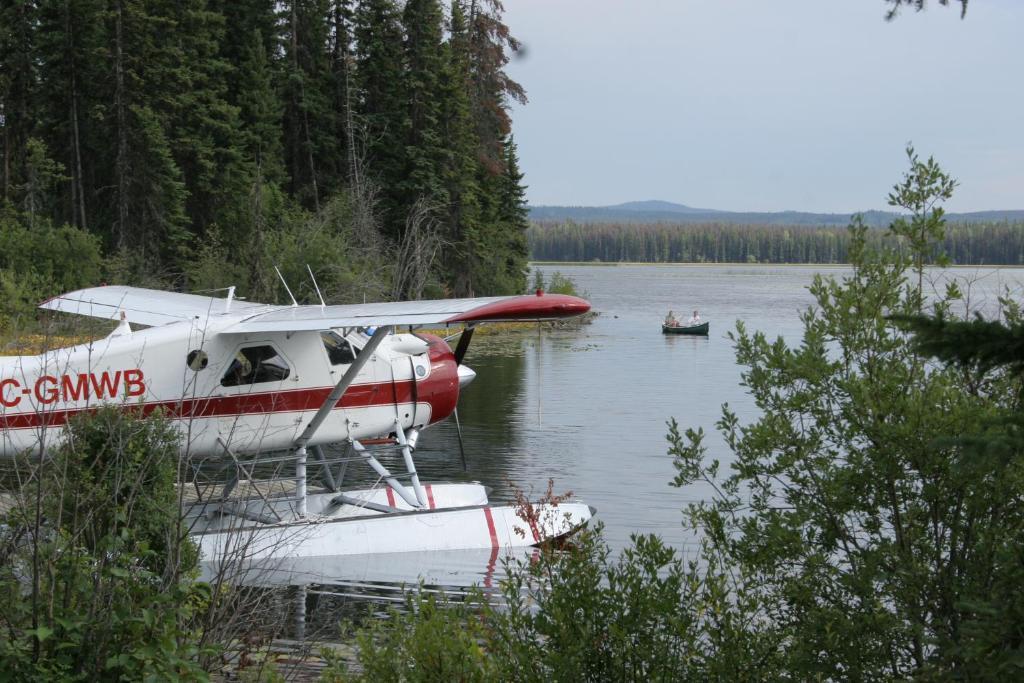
(325, 469)
(388, 478)
(300, 481)
(407, 444)
(328, 405)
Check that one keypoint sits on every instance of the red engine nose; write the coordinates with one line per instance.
(440, 388)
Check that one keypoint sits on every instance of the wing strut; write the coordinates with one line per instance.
(329, 403)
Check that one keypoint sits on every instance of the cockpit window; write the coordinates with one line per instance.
(255, 364)
(339, 350)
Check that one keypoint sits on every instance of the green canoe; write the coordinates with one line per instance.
(701, 329)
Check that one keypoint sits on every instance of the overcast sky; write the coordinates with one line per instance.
(766, 105)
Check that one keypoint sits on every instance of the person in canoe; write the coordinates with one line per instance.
(694, 320)
(670, 320)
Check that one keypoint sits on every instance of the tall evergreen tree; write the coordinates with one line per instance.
(147, 205)
(342, 83)
(513, 217)
(501, 266)
(260, 111)
(462, 222)
(313, 155)
(70, 36)
(491, 43)
(424, 63)
(203, 128)
(382, 114)
(240, 19)
(250, 45)
(17, 89)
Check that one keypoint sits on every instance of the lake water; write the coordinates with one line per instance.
(588, 407)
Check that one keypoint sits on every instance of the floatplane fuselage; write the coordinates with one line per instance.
(241, 380)
(249, 393)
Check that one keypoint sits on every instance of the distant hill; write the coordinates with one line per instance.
(658, 206)
(657, 211)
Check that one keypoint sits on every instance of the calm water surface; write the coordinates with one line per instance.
(589, 407)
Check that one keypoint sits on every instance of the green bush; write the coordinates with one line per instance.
(96, 572)
(349, 267)
(430, 640)
(572, 615)
(40, 262)
(557, 284)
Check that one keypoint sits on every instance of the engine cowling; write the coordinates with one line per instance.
(440, 388)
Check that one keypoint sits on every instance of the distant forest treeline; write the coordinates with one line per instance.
(196, 143)
(990, 243)
(654, 211)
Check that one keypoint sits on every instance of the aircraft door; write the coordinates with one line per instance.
(257, 398)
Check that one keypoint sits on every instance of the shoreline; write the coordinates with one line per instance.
(708, 264)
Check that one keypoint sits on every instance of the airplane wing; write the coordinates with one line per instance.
(144, 306)
(415, 313)
(157, 307)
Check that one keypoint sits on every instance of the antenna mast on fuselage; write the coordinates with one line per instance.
(316, 286)
(286, 288)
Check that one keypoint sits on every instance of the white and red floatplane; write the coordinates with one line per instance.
(246, 382)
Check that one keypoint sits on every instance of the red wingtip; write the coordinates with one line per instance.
(547, 307)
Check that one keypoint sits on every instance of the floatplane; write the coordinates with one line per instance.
(246, 382)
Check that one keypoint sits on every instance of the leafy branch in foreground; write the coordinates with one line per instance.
(874, 536)
(918, 5)
(97, 577)
(978, 343)
(573, 614)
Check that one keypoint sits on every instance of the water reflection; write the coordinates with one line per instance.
(485, 408)
(452, 571)
(303, 601)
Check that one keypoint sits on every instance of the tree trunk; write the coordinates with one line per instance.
(77, 186)
(122, 135)
(301, 106)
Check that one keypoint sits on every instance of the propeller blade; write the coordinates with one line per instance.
(463, 346)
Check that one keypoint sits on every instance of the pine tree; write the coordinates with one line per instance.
(313, 153)
(513, 217)
(202, 126)
(502, 262)
(17, 90)
(42, 174)
(70, 35)
(260, 111)
(381, 110)
(241, 18)
(148, 199)
(342, 85)
(462, 222)
(491, 43)
(499, 265)
(424, 63)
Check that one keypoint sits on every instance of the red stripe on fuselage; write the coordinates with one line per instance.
(253, 403)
